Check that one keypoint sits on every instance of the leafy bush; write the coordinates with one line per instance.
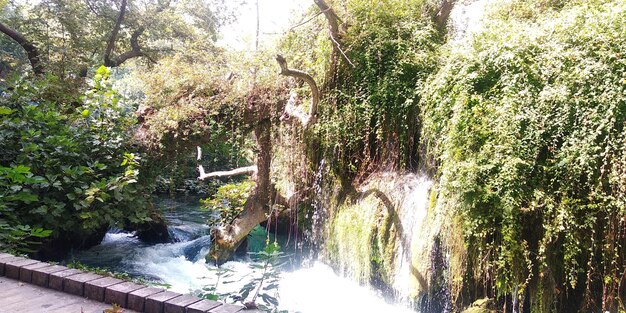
(66, 166)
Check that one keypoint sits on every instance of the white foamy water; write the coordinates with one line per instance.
(112, 238)
(318, 289)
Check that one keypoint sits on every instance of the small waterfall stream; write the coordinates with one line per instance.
(181, 265)
(413, 197)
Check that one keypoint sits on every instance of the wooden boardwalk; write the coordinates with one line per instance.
(20, 297)
(31, 286)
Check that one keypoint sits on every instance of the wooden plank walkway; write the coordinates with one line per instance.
(20, 297)
(31, 286)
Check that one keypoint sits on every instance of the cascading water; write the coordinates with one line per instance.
(413, 194)
(383, 235)
(181, 265)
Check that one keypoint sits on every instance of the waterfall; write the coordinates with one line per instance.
(413, 194)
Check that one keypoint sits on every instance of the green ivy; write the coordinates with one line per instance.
(526, 125)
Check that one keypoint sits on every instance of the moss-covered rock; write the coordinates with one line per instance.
(484, 305)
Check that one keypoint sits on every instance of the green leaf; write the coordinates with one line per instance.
(40, 232)
(5, 111)
(25, 197)
(211, 297)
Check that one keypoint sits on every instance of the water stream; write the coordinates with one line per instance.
(181, 265)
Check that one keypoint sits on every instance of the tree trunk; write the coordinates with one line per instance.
(227, 239)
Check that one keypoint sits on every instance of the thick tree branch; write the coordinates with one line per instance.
(29, 47)
(441, 18)
(133, 53)
(116, 29)
(135, 48)
(315, 93)
(238, 171)
(333, 28)
(333, 19)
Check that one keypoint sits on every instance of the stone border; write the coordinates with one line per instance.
(107, 289)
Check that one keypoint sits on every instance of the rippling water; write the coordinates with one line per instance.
(181, 265)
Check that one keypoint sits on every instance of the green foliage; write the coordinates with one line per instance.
(526, 123)
(350, 244)
(196, 105)
(72, 36)
(371, 117)
(20, 239)
(65, 166)
(228, 202)
(222, 275)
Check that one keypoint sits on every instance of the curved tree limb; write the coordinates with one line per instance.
(315, 92)
(28, 46)
(135, 50)
(133, 53)
(404, 241)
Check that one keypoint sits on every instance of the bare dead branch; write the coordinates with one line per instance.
(27, 45)
(339, 48)
(315, 93)
(306, 21)
(251, 170)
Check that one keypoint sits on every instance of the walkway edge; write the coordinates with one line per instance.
(109, 290)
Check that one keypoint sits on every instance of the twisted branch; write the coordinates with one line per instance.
(29, 47)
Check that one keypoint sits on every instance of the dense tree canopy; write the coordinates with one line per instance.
(73, 36)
